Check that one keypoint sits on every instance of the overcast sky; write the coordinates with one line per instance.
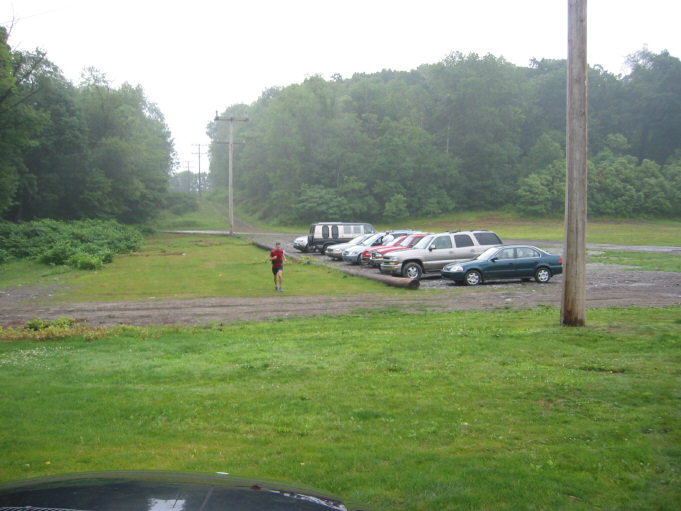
(195, 57)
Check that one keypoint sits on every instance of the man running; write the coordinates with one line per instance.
(278, 259)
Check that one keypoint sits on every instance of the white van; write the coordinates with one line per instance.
(323, 234)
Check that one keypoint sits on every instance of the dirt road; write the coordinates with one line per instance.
(607, 286)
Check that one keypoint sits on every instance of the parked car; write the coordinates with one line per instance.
(434, 251)
(300, 243)
(377, 253)
(115, 491)
(507, 262)
(324, 234)
(353, 254)
(336, 251)
(365, 258)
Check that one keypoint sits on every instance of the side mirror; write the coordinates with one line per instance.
(494, 259)
(430, 248)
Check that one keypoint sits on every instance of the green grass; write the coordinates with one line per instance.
(390, 411)
(639, 260)
(187, 266)
(207, 218)
(213, 215)
(510, 226)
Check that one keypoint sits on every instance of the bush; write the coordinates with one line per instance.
(86, 244)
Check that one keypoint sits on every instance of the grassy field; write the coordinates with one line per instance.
(387, 410)
(463, 410)
(186, 266)
(507, 225)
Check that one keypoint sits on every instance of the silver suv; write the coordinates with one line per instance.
(434, 251)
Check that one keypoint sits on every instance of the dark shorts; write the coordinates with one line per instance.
(276, 269)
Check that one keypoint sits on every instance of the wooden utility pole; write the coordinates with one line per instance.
(189, 180)
(199, 154)
(231, 121)
(573, 303)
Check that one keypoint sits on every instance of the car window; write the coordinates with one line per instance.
(506, 253)
(325, 231)
(488, 254)
(334, 231)
(442, 242)
(424, 242)
(526, 252)
(463, 240)
(487, 238)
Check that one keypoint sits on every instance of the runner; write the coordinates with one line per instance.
(278, 259)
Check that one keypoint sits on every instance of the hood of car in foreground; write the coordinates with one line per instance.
(149, 491)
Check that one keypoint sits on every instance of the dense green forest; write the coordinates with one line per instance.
(469, 132)
(74, 152)
(466, 133)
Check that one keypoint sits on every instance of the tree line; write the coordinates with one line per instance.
(75, 152)
(468, 132)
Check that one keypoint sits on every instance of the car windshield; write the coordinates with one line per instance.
(423, 242)
(395, 241)
(358, 239)
(407, 241)
(369, 240)
(488, 254)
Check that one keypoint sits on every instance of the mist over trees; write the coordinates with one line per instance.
(73, 152)
(469, 132)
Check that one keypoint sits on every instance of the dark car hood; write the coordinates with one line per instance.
(149, 491)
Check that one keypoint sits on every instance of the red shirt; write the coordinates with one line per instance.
(279, 261)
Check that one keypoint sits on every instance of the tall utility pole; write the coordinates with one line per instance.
(231, 121)
(573, 303)
(189, 180)
(199, 153)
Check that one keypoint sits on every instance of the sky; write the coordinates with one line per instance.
(193, 58)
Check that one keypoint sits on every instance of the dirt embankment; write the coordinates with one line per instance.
(607, 286)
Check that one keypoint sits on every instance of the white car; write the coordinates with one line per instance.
(300, 243)
(336, 251)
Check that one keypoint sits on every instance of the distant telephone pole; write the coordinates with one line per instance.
(573, 303)
(231, 121)
(199, 153)
(189, 181)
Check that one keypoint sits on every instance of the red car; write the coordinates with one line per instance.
(366, 255)
(376, 253)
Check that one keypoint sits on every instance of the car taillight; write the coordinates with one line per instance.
(560, 260)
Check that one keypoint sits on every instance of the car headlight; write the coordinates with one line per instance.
(454, 267)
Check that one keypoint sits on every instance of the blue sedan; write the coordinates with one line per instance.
(506, 262)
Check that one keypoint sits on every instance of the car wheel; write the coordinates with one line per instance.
(412, 271)
(473, 278)
(542, 275)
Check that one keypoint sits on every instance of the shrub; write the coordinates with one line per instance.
(82, 261)
(85, 244)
